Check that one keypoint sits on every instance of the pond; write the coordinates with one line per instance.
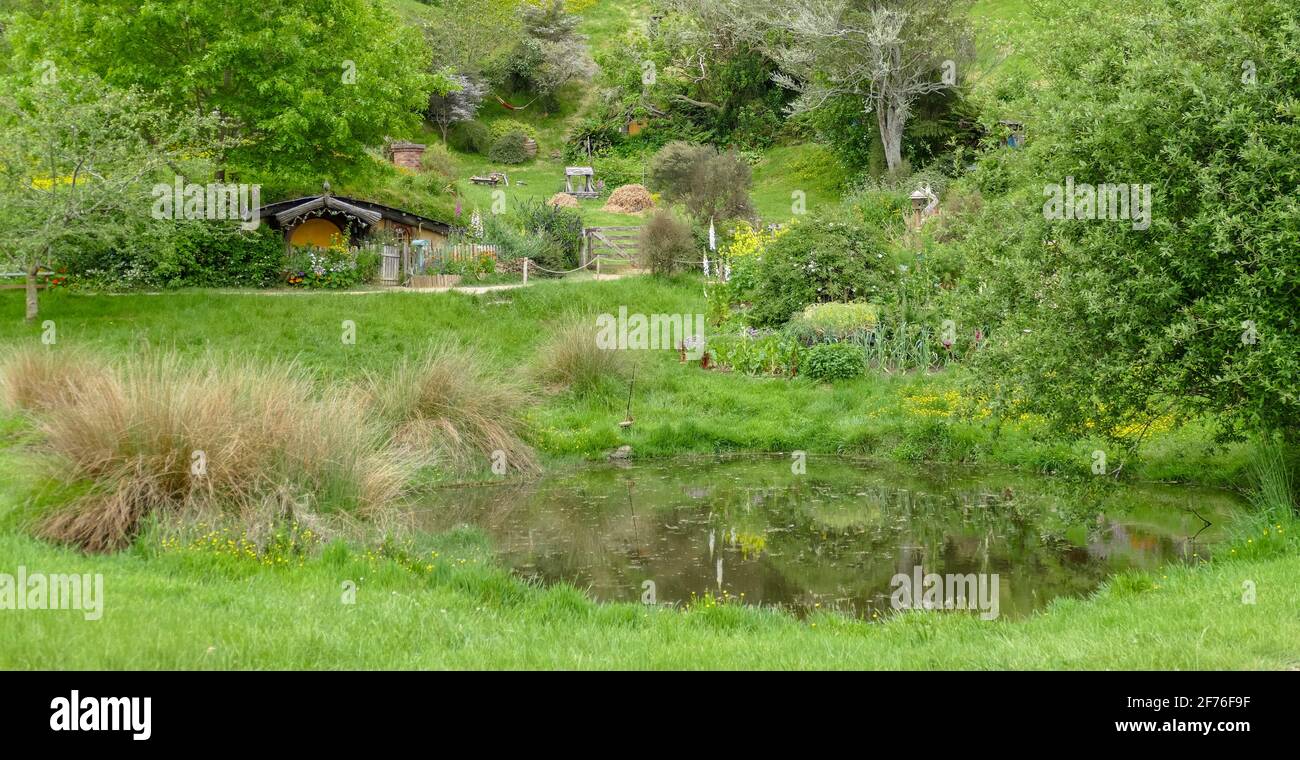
(842, 535)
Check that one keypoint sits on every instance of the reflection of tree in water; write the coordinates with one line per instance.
(835, 538)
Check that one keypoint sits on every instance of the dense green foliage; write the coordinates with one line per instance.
(825, 257)
(182, 254)
(295, 108)
(509, 148)
(1196, 314)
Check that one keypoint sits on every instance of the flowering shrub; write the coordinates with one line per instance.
(333, 268)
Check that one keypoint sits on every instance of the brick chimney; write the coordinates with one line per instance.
(406, 154)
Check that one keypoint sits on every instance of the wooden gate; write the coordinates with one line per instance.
(611, 243)
(390, 265)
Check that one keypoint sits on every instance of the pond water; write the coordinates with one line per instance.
(835, 537)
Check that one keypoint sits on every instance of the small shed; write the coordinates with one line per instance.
(586, 181)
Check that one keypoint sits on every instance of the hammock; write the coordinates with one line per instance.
(509, 107)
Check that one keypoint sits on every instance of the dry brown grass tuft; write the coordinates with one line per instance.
(33, 379)
(446, 402)
(156, 437)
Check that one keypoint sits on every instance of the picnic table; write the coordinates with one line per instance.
(495, 178)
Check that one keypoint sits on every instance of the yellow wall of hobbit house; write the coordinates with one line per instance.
(314, 232)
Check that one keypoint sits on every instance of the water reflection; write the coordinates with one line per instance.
(833, 537)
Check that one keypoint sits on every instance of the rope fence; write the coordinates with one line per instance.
(530, 264)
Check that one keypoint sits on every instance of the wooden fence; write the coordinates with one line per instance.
(399, 261)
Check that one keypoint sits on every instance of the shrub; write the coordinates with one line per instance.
(509, 148)
(1192, 307)
(513, 243)
(571, 358)
(129, 439)
(666, 243)
(828, 257)
(834, 361)
(502, 127)
(616, 170)
(559, 230)
(470, 137)
(710, 184)
(438, 160)
(449, 404)
(179, 254)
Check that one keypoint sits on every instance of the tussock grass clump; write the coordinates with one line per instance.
(158, 438)
(1273, 494)
(448, 403)
(34, 379)
(572, 359)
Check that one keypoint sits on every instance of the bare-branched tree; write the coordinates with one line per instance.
(887, 52)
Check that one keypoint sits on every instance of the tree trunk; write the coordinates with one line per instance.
(31, 293)
(891, 121)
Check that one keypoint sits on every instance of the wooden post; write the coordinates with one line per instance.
(525, 271)
(598, 258)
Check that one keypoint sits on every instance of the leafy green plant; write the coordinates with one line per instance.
(756, 354)
(834, 361)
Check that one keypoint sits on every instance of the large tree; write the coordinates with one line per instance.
(887, 53)
(551, 52)
(1189, 304)
(78, 160)
(303, 84)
